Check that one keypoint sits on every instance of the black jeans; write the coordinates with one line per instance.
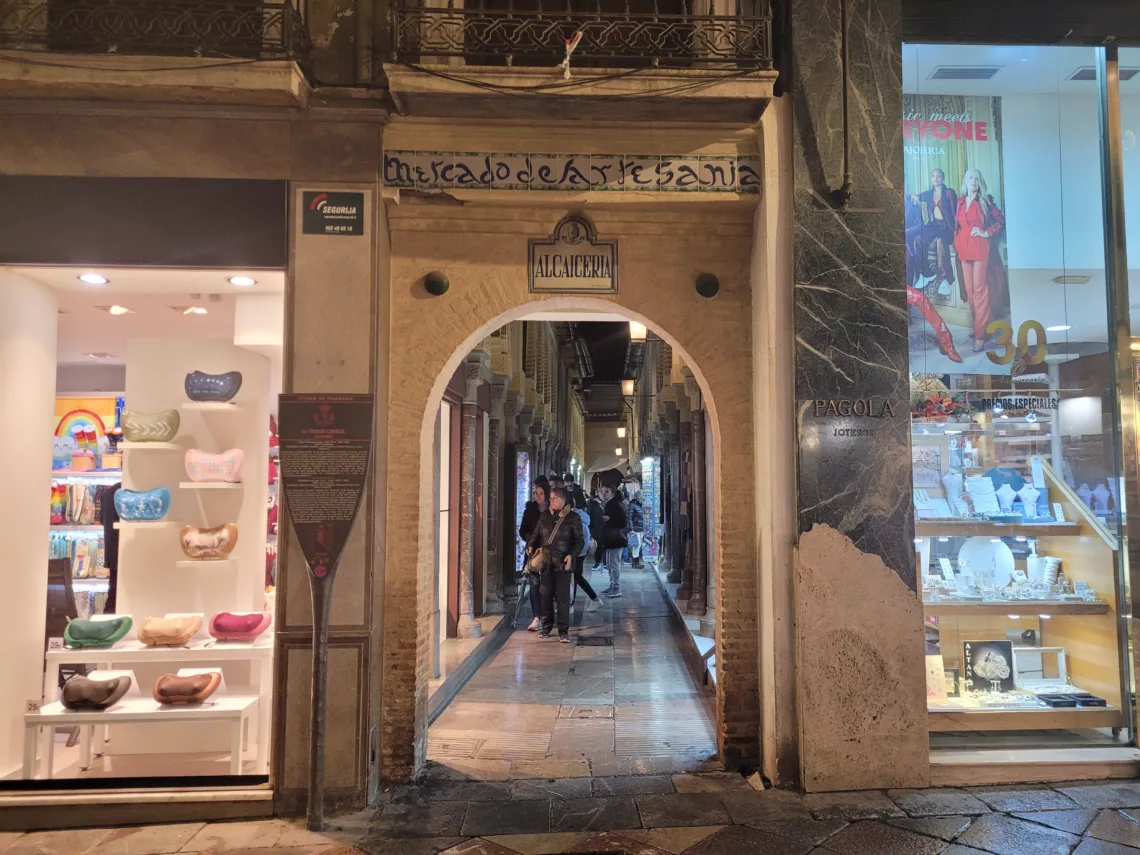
(556, 591)
(536, 597)
(580, 579)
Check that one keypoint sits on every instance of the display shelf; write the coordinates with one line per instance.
(221, 564)
(210, 485)
(975, 528)
(126, 525)
(66, 527)
(969, 721)
(86, 585)
(1022, 608)
(211, 406)
(151, 446)
(86, 473)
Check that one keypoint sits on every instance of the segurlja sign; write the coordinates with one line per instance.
(430, 170)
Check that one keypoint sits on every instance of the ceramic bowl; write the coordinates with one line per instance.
(212, 387)
(209, 544)
(142, 506)
(226, 626)
(150, 427)
(204, 466)
(169, 631)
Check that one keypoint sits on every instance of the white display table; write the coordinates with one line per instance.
(233, 709)
(205, 651)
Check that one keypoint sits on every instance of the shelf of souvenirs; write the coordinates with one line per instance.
(998, 425)
(966, 714)
(956, 527)
(58, 474)
(1014, 609)
(64, 527)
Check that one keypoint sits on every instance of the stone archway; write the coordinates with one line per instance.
(484, 254)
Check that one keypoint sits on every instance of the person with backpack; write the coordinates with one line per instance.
(580, 561)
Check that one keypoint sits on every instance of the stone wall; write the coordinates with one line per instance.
(483, 250)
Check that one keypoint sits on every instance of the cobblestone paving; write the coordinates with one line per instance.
(692, 813)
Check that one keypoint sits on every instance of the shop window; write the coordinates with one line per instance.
(1014, 442)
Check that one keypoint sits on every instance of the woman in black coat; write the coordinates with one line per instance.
(614, 538)
(531, 514)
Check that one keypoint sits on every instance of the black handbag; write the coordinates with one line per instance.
(539, 560)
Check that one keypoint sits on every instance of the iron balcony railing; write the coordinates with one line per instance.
(246, 29)
(614, 33)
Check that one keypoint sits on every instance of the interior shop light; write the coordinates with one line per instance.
(617, 451)
(93, 279)
(1044, 617)
(195, 310)
(637, 332)
(120, 310)
(646, 462)
(621, 433)
(1058, 328)
(1014, 617)
(627, 387)
(1135, 345)
(100, 355)
(242, 281)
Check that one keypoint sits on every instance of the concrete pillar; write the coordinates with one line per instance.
(28, 320)
(476, 371)
(493, 569)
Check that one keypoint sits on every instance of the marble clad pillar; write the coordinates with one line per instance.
(476, 373)
(676, 543)
(685, 511)
(696, 604)
(858, 619)
(492, 571)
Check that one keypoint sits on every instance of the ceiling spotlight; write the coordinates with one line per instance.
(194, 310)
(617, 451)
(1058, 328)
(93, 279)
(120, 310)
(621, 433)
(243, 281)
(627, 387)
(637, 332)
(100, 355)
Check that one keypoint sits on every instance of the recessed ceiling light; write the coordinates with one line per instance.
(195, 310)
(1058, 328)
(93, 279)
(117, 310)
(100, 355)
(244, 281)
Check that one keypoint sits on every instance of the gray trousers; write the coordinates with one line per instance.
(613, 565)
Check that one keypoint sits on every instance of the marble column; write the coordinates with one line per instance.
(538, 458)
(508, 470)
(676, 542)
(524, 438)
(685, 497)
(696, 604)
(854, 560)
(493, 570)
(476, 372)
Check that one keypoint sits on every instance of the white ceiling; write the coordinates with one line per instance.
(154, 280)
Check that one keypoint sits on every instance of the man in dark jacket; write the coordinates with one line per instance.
(577, 494)
(559, 530)
(636, 530)
(594, 509)
(614, 537)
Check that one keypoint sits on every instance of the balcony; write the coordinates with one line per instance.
(258, 49)
(647, 60)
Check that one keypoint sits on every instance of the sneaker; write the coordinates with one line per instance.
(593, 606)
(613, 592)
(535, 625)
(564, 638)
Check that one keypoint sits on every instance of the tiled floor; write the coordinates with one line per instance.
(541, 708)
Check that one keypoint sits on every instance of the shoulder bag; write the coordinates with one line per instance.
(540, 558)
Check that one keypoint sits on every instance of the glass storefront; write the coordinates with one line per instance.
(1017, 493)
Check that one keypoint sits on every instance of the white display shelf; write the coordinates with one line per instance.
(67, 527)
(97, 584)
(211, 406)
(207, 564)
(198, 650)
(210, 485)
(126, 525)
(151, 446)
(86, 473)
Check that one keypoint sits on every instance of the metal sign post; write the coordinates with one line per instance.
(325, 447)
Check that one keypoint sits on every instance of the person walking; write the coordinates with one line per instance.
(559, 533)
(594, 508)
(614, 538)
(636, 530)
(580, 562)
(574, 491)
(531, 515)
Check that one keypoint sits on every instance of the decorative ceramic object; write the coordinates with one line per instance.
(81, 693)
(1005, 496)
(150, 427)
(193, 689)
(952, 481)
(1052, 570)
(212, 387)
(203, 466)
(96, 633)
(989, 560)
(169, 631)
(1029, 495)
(226, 626)
(209, 544)
(147, 506)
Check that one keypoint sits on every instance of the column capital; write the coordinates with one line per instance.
(476, 371)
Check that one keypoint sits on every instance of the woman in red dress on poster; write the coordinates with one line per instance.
(979, 224)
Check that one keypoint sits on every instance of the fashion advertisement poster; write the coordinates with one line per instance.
(956, 268)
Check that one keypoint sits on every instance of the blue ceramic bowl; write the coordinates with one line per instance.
(212, 387)
(148, 505)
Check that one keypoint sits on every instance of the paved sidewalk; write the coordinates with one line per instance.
(695, 814)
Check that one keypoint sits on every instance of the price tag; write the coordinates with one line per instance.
(1058, 512)
(32, 706)
(55, 644)
(947, 569)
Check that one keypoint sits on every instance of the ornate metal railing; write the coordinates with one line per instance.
(247, 29)
(615, 33)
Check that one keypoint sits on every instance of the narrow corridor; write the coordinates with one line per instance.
(618, 700)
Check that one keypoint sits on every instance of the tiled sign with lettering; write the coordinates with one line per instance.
(435, 170)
